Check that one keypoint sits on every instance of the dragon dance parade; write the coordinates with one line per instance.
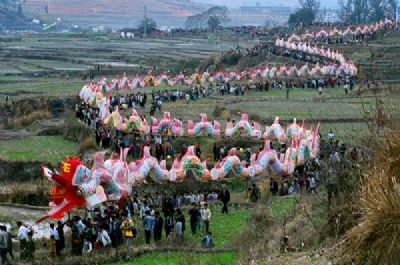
(199, 132)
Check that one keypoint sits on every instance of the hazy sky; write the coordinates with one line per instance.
(237, 3)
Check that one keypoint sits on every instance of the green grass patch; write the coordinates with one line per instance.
(319, 213)
(7, 78)
(223, 227)
(6, 68)
(51, 87)
(58, 65)
(281, 207)
(176, 258)
(349, 132)
(38, 148)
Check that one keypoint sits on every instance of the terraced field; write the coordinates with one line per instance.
(74, 52)
(379, 59)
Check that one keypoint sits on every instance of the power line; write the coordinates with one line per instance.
(145, 21)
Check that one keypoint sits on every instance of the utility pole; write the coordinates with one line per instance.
(145, 21)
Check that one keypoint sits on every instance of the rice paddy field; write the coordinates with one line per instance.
(37, 148)
(55, 53)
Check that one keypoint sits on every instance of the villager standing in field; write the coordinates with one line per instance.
(127, 228)
(103, 238)
(198, 150)
(9, 243)
(194, 214)
(54, 233)
(206, 218)
(216, 152)
(207, 241)
(224, 197)
(159, 222)
(331, 136)
(187, 98)
(255, 193)
(52, 244)
(180, 218)
(169, 223)
(178, 232)
(30, 247)
(23, 239)
(3, 244)
(76, 242)
(273, 186)
(148, 225)
(60, 229)
(87, 246)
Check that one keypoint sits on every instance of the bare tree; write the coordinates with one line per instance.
(312, 5)
(377, 9)
(361, 11)
(345, 9)
(392, 8)
(354, 11)
(195, 21)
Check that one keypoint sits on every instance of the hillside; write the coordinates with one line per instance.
(115, 13)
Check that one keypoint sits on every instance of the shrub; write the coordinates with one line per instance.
(87, 144)
(248, 61)
(218, 110)
(255, 117)
(230, 59)
(378, 228)
(205, 64)
(76, 131)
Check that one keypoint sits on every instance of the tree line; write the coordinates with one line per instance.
(350, 11)
(365, 11)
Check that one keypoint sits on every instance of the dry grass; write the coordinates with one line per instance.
(262, 237)
(87, 144)
(36, 193)
(375, 239)
(299, 258)
(27, 119)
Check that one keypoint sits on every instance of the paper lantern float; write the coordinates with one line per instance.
(204, 127)
(165, 124)
(243, 127)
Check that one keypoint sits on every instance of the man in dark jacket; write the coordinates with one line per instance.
(224, 197)
(3, 244)
(194, 216)
(61, 241)
(158, 226)
(273, 186)
(255, 193)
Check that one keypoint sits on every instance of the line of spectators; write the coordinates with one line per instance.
(112, 224)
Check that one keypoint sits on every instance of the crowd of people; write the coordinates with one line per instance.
(26, 243)
(244, 30)
(157, 215)
(255, 50)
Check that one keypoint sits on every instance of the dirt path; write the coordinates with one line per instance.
(11, 214)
